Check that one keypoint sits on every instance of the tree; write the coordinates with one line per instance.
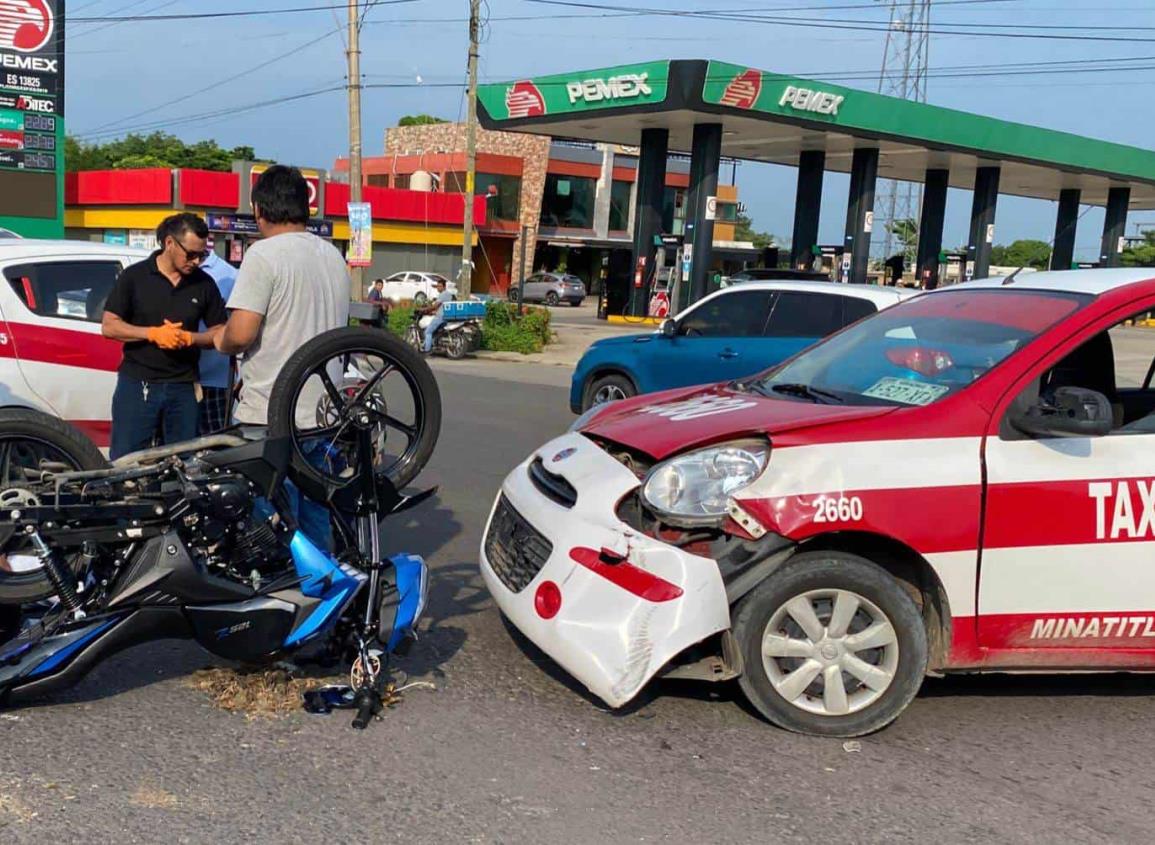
(419, 120)
(744, 231)
(1023, 253)
(1141, 255)
(156, 150)
(905, 231)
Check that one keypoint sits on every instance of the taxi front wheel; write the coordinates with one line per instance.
(832, 645)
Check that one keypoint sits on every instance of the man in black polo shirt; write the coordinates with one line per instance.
(155, 309)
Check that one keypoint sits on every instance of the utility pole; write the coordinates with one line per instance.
(465, 282)
(353, 54)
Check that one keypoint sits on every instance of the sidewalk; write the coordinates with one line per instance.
(571, 339)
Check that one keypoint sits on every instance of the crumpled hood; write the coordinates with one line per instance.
(666, 423)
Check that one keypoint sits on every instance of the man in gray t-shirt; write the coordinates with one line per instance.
(292, 286)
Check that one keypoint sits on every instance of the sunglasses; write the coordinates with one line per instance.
(192, 255)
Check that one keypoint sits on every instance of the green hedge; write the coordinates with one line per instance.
(501, 330)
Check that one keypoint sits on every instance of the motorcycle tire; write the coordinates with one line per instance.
(457, 345)
(413, 337)
(34, 426)
(334, 343)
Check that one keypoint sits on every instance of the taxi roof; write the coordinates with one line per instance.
(15, 249)
(1094, 282)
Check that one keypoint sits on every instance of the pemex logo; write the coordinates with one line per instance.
(742, 91)
(25, 25)
(522, 99)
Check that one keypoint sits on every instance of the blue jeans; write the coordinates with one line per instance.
(431, 329)
(142, 408)
(312, 518)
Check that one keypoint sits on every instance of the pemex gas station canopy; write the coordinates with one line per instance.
(774, 118)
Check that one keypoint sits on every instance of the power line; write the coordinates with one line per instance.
(846, 24)
(235, 14)
(222, 81)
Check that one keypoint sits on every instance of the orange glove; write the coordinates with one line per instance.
(169, 336)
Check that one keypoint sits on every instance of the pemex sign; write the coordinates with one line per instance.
(608, 88)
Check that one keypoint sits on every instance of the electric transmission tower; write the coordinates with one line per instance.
(903, 75)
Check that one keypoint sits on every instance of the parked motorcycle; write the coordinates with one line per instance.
(456, 338)
(200, 539)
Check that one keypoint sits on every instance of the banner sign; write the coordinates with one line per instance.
(360, 235)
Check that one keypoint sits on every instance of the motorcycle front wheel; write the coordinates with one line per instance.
(349, 381)
(32, 442)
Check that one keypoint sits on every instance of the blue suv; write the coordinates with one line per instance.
(735, 332)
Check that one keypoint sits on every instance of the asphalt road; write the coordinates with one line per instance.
(507, 750)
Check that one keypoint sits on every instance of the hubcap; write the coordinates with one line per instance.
(608, 393)
(830, 652)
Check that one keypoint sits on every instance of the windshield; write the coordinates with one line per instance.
(920, 351)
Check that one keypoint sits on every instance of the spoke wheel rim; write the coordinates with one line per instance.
(608, 393)
(329, 410)
(830, 652)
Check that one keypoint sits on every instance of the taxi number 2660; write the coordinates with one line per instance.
(838, 509)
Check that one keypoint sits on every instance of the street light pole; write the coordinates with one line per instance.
(465, 282)
(353, 54)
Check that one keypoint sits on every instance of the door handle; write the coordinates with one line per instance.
(728, 353)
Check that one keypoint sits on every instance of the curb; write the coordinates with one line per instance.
(518, 358)
(619, 320)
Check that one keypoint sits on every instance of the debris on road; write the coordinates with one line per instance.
(852, 746)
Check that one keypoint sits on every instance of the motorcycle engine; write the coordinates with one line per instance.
(224, 530)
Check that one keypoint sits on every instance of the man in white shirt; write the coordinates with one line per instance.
(438, 311)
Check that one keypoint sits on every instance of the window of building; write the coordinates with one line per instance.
(620, 206)
(503, 203)
(401, 180)
(502, 193)
(377, 180)
(568, 202)
(728, 211)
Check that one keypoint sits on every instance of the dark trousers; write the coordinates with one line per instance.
(141, 409)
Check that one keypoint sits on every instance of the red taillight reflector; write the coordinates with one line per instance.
(632, 579)
(919, 359)
(547, 600)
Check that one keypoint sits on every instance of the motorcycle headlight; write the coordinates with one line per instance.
(695, 488)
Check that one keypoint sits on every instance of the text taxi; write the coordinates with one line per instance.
(964, 482)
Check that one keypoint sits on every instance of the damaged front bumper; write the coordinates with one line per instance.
(611, 605)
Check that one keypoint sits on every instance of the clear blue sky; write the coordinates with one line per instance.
(173, 70)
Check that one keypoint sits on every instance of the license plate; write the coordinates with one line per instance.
(906, 391)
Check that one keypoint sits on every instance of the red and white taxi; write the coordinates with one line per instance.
(52, 355)
(963, 482)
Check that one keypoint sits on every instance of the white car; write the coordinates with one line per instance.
(416, 286)
(53, 357)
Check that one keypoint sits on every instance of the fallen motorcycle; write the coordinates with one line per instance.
(201, 539)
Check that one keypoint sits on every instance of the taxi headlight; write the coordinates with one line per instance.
(695, 488)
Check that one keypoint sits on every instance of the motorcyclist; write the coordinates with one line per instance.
(437, 309)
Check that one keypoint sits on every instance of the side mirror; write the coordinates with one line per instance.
(1071, 412)
(669, 328)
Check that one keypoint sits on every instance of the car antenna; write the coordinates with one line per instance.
(1011, 278)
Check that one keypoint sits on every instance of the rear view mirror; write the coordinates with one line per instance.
(1070, 412)
(669, 328)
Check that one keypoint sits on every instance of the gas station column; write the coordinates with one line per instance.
(807, 208)
(930, 227)
(1114, 227)
(705, 158)
(982, 235)
(1066, 221)
(860, 215)
(649, 190)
